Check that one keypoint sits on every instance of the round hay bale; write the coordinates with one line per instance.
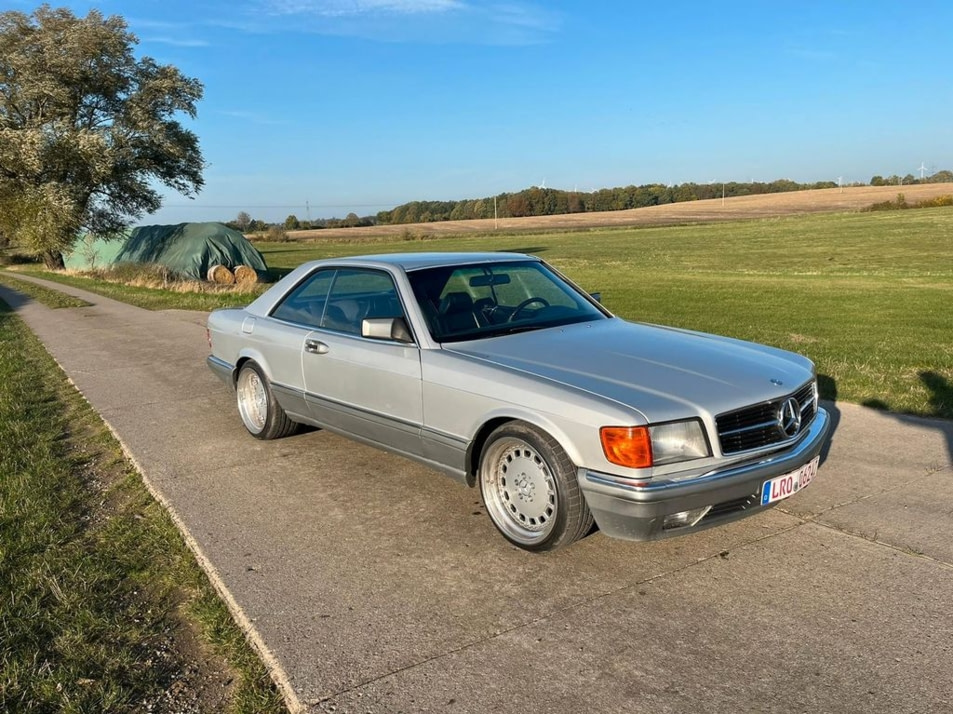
(221, 275)
(246, 275)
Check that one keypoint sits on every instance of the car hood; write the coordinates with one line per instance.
(662, 372)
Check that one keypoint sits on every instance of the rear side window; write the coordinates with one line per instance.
(306, 303)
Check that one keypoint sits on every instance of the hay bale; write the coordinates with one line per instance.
(246, 275)
(221, 275)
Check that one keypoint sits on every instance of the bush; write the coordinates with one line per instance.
(11, 258)
(901, 203)
(936, 202)
(277, 234)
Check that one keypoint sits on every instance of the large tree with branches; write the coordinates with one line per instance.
(87, 131)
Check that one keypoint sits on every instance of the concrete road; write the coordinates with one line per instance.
(374, 585)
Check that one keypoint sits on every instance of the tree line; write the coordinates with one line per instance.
(537, 201)
(246, 224)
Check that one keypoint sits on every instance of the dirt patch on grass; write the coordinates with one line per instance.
(830, 200)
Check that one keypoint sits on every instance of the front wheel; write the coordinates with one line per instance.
(529, 488)
(261, 414)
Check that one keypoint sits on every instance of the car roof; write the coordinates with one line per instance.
(418, 261)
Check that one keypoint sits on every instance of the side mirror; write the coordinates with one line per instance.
(597, 297)
(386, 328)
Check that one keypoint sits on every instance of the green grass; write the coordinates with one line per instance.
(149, 298)
(102, 606)
(865, 295)
(50, 298)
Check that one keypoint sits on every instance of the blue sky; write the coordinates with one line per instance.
(332, 106)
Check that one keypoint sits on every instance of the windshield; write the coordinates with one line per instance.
(485, 300)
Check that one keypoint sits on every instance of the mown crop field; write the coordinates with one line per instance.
(867, 296)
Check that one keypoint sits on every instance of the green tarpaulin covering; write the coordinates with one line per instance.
(188, 249)
(92, 251)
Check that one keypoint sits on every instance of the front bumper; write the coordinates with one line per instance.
(623, 510)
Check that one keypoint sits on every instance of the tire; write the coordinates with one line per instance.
(529, 488)
(260, 412)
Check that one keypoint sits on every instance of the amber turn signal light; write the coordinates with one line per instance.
(629, 446)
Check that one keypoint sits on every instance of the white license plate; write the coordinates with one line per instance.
(780, 487)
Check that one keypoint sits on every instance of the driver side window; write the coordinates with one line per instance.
(356, 294)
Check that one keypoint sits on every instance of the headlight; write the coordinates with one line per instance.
(678, 441)
(639, 447)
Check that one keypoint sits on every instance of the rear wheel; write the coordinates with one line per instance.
(261, 414)
(529, 488)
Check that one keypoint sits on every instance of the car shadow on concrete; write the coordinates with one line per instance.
(13, 298)
(827, 387)
(941, 405)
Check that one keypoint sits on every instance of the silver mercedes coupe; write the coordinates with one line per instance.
(500, 372)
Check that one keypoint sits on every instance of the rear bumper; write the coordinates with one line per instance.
(623, 510)
(222, 369)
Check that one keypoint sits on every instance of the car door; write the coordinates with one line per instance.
(280, 339)
(366, 388)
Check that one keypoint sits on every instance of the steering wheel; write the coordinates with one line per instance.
(526, 303)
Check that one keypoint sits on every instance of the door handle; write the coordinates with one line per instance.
(315, 347)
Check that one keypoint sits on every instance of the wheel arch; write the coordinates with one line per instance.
(246, 356)
(493, 422)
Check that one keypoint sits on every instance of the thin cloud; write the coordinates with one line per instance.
(527, 17)
(349, 8)
(409, 21)
(177, 41)
(176, 34)
(147, 24)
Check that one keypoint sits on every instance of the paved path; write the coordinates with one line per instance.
(374, 585)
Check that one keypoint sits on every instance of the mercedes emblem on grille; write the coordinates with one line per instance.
(789, 417)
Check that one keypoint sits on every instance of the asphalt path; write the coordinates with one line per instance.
(371, 584)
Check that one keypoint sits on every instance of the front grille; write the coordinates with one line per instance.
(757, 426)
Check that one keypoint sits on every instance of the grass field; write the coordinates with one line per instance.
(865, 295)
(102, 607)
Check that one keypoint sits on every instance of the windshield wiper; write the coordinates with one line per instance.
(521, 328)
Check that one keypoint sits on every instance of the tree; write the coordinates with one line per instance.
(292, 223)
(243, 221)
(86, 130)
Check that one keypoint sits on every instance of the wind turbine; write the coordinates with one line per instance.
(921, 170)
